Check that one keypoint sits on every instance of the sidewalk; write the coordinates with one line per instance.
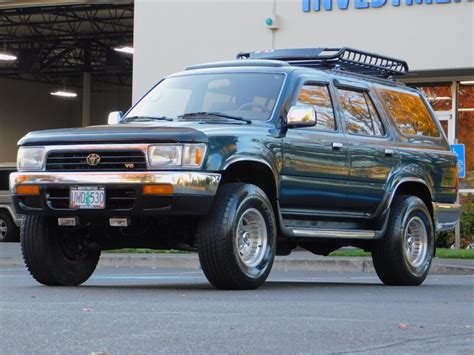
(298, 261)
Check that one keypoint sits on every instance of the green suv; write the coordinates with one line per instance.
(241, 161)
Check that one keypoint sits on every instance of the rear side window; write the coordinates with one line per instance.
(318, 97)
(409, 112)
(360, 114)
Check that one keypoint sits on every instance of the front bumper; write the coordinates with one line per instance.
(446, 215)
(193, 192)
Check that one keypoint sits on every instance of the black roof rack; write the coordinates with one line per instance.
(349, 59)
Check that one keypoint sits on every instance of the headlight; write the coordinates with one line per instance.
(31, 158)
(176, 155)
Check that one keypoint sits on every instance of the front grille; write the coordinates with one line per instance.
(116, 198)
(115, 160)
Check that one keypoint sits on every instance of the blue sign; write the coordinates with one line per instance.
(317, 5)
(460, 152)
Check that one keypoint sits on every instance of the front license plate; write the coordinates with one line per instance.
(87, 197)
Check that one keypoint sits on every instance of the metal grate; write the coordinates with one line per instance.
(348, 59)
(109, 161)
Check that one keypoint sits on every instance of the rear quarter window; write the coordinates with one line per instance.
(409, 113)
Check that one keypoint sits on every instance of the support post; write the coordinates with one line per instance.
(454, 93)
(86, 99)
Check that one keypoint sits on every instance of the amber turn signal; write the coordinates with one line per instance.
(27, 190)
(162, 189)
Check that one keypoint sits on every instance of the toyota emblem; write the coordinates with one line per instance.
(93, 159)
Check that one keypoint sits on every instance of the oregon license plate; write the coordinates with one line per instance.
(87, 197)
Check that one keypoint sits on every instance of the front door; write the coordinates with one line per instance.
(315, 159)
(447, 122)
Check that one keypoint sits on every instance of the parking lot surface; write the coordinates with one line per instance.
(130, 310)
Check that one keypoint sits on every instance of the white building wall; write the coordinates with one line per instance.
(170, 35)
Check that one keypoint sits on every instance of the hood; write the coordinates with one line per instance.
(120, 133)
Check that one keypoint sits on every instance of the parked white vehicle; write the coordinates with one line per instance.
(9, 220)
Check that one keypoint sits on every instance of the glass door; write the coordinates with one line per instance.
(446, 118)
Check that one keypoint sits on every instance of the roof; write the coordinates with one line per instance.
(281, 66)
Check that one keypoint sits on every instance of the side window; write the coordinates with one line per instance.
(376, 121)
(318, 97)
(409, 113)
(360, 114)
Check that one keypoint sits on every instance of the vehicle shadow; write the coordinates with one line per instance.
(204, 286)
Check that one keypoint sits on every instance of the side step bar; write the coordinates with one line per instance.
(334, 233)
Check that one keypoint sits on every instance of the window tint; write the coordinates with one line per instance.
(360, 114)
(409, 112)
(318, 97)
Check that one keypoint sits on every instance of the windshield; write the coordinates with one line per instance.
(251, 96)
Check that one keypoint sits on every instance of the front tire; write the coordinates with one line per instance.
(237, 242)
(403, 257)
(55, 256)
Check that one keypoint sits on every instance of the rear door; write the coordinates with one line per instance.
(315, 160)
(372, 151)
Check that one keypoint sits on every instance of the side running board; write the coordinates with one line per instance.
(333, 233)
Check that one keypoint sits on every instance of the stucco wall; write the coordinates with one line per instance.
(170, 35)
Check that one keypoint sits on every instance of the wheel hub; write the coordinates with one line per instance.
(251, 237)
(415, 242)
(3, 228)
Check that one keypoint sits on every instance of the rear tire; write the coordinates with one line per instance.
(55, 256)
(403, 257)
(237, 241)
(8, 230)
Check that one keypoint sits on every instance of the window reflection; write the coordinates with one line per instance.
(360, 114)
(318, 97)
(409, 112)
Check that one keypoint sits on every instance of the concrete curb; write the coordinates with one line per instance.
(321, 264)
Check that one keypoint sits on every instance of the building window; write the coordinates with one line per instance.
(465, 130)
(439, 96)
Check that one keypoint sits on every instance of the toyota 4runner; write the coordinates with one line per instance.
(241, 161)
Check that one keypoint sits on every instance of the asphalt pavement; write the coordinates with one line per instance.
(153, 310)
(298, 260)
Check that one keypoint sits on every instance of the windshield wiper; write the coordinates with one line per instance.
(147, 118)
(215, 114)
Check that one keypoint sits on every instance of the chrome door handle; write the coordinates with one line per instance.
(337, 146)
(388, 152)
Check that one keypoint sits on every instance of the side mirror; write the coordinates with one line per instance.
(115, 117)
(301, 116)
